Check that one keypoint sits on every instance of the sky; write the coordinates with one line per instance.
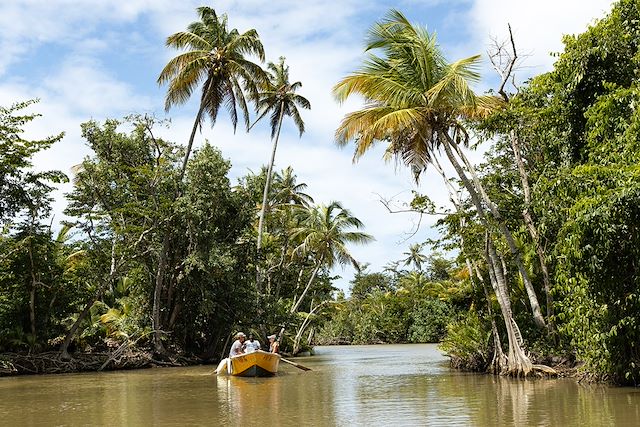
(92, 59)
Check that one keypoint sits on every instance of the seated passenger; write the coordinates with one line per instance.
(251, 345)
(274, 347)
(237, 347)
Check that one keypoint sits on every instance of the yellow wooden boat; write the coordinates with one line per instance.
(256, 364)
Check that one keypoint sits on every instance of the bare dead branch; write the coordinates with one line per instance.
(504, 57)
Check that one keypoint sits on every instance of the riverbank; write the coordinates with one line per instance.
(52, 363)
(545, 366)
(15, 364)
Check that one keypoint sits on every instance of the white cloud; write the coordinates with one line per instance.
(85, 87)
(537, 26)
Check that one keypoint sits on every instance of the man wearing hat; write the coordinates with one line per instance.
(238, 345)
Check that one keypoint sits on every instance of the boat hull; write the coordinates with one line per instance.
(256, 364)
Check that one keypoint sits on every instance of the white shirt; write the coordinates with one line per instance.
(236, 348)
(251, 346)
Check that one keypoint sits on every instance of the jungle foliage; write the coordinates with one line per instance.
(551, 211)
(577, 128)
(162, 251)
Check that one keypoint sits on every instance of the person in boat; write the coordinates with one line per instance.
(274, 347)
(251, 345)
(237, 347)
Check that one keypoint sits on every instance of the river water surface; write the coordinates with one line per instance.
(387, 385)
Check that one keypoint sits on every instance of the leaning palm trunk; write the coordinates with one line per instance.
(297, 302)
(192, 138)
(267, 185)
(499, 360)
(477, 193)
(518, 363)
(304, 325)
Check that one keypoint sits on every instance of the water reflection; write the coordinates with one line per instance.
(247, 400)
(363, 386)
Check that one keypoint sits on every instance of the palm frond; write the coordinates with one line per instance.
(214, 55)
(187, 39)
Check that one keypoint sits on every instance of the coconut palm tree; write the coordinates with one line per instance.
(287, 195)
(324, 232)
(287, 190)
(417, 102)
(415, 256)
(414, 97)
(214, 59)
(277, 97)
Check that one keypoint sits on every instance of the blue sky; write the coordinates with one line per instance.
(91, 59)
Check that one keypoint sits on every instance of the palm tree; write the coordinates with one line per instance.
(213, 57)
(413, 280)
(278, 98)
(287, 196)
(417, 101)
(415, 256)
(414, 97)
(288, 191)
(324, 232)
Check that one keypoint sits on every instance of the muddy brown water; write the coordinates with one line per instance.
(386, 385)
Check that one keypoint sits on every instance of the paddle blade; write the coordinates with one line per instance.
(297, 365)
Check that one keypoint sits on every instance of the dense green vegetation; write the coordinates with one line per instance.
(161, 252)
(164, 253)
(551, 212)
(399, 305)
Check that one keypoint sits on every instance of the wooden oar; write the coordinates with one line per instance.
(297, 365)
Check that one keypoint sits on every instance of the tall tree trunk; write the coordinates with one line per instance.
(157, 295)
(528, 220)
(166, 244)
(265, 196)
(504, 64)
(32, 309)
(267, 184)
(295, 306)
(499, 359)
(476, 191)
(32, 291)
(518, 363)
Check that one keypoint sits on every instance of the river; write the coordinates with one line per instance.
(386, 385)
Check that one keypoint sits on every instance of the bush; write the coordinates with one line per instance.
(429, 321)
(467, 342)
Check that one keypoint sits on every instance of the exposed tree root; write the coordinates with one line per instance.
(545, 370)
